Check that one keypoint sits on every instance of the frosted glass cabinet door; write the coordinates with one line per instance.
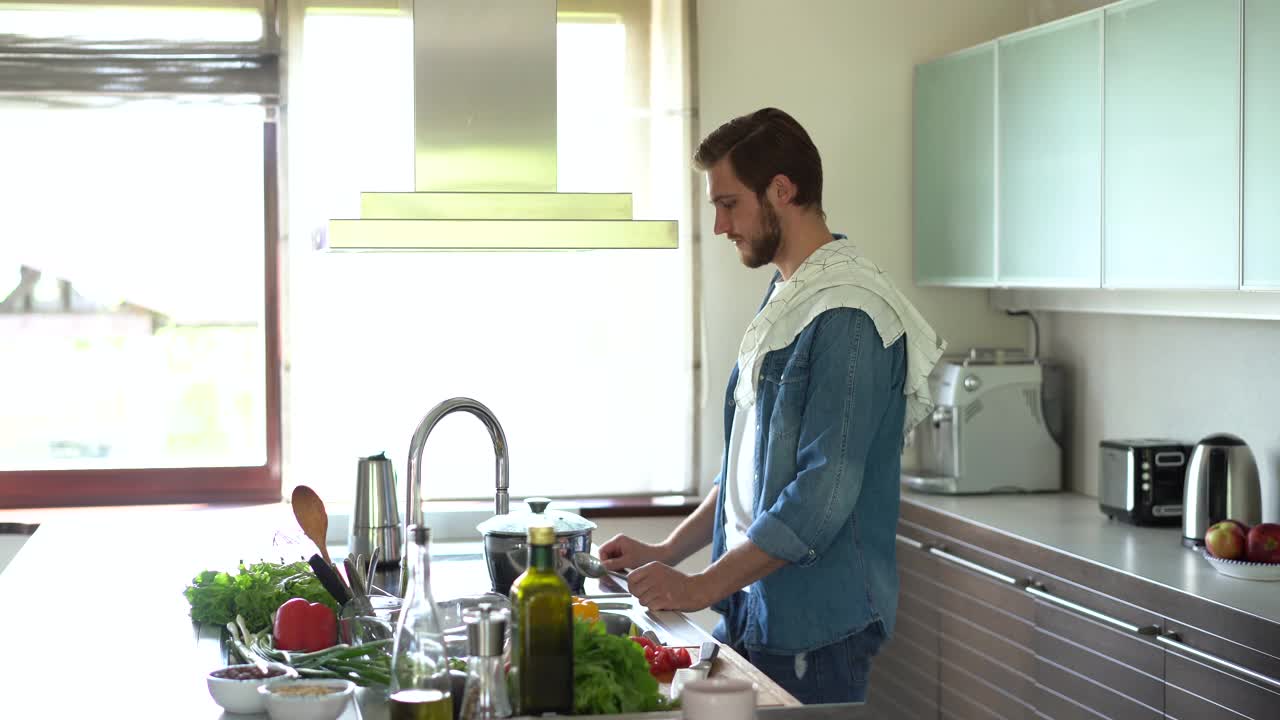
(1172, 144)
(1051, 156)
(1262, 144)
(954, 169)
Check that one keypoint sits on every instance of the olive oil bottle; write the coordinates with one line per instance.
(543, 631)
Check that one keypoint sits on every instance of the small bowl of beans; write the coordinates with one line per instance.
(235, 687)
(306, 699)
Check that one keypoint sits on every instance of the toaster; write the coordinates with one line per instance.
(1141, 482)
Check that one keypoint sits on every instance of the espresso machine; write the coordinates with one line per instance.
(995, 427)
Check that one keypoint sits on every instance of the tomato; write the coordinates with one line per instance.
(665, 661)
(651, 653)
(682, 658)
(644, 641)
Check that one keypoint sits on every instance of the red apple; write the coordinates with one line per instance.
(1225, 540)
(1243, 528)
(1264, 543)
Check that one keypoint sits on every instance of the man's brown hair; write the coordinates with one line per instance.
(763, 144)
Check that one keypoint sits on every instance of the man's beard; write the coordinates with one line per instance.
(760, 250)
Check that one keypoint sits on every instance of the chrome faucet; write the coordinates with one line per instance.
(501, 499)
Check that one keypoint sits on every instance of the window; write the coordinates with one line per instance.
(584, 357)
(137, 324)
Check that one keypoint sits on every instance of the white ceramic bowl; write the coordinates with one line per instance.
(1243, 569)
(238, 696)
(283, 706)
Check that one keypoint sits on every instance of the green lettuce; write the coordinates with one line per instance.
(254, 592)
(610, 674)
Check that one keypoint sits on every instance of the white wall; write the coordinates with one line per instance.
(1183, 378)
(843, 68)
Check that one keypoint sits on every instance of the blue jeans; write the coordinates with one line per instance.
(835, 673)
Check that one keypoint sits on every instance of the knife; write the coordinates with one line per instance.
(330, 579)
(698, 671)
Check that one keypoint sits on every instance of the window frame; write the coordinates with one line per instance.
(235, 484)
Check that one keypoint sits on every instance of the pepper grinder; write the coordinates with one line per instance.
(486, 696)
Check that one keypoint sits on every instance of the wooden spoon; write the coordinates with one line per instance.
(309, 510)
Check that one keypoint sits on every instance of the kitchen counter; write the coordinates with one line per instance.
(1072, 524)
(93, 621)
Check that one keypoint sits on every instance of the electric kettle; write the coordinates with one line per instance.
(1222, 484)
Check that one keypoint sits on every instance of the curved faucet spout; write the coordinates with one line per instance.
(501, 498)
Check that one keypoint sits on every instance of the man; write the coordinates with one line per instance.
(830, 374)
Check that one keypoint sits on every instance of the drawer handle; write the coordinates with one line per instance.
(909, 542)
(1172, 640)
(935, 550)
(1039, 591)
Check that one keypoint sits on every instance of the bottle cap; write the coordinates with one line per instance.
(542, 535)
(419, 534)
(486, 630)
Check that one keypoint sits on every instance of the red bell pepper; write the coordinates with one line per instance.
(305, 626)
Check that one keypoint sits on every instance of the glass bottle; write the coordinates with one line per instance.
(486, 694)
(420, 687)
(543, 637)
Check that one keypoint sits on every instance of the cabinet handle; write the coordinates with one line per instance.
(1039, 591)
(1172, 640)
(909, 542)
(935, 550)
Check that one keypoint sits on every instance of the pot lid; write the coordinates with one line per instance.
(517, 523)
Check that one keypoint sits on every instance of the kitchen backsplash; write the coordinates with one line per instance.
(1183, 378)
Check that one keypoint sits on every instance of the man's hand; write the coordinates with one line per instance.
(623, 552)
(662, 587)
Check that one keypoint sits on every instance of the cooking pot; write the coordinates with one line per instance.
(506, 549)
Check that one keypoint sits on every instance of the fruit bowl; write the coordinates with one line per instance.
(1243, 569)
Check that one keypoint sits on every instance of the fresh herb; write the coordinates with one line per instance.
(254, 592)
(610, 674)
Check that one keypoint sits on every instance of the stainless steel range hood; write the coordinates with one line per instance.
(484, 100)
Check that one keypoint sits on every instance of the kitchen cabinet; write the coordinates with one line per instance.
(1062, 635)
(954, 169)
(1086, 665)
(1050, 155)
(904, 675)
(1171, 166)
(1262, 144)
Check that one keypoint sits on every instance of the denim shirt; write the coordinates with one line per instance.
(827, 464)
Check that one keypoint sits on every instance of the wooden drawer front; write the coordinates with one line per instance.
(1017, 629)
(991, 641)
(920, 663)
(897, 689)
(1182, 705)
(993, 592)
(1102, 699)
(963, 697)
(1221, 688)
(1136, 652)
(1051, 705)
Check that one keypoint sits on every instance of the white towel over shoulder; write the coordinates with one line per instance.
(836, 276)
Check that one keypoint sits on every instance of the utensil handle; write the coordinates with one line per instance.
(330, 579)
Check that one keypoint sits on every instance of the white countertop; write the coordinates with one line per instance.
(1072, 524)
(93, 622)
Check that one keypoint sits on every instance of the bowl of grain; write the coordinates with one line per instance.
(309, 699)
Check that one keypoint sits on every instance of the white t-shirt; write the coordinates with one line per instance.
(740, 478)
(740, 475)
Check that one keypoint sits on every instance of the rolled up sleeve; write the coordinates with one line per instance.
(842, 413)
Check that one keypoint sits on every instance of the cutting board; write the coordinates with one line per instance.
(731, 665)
